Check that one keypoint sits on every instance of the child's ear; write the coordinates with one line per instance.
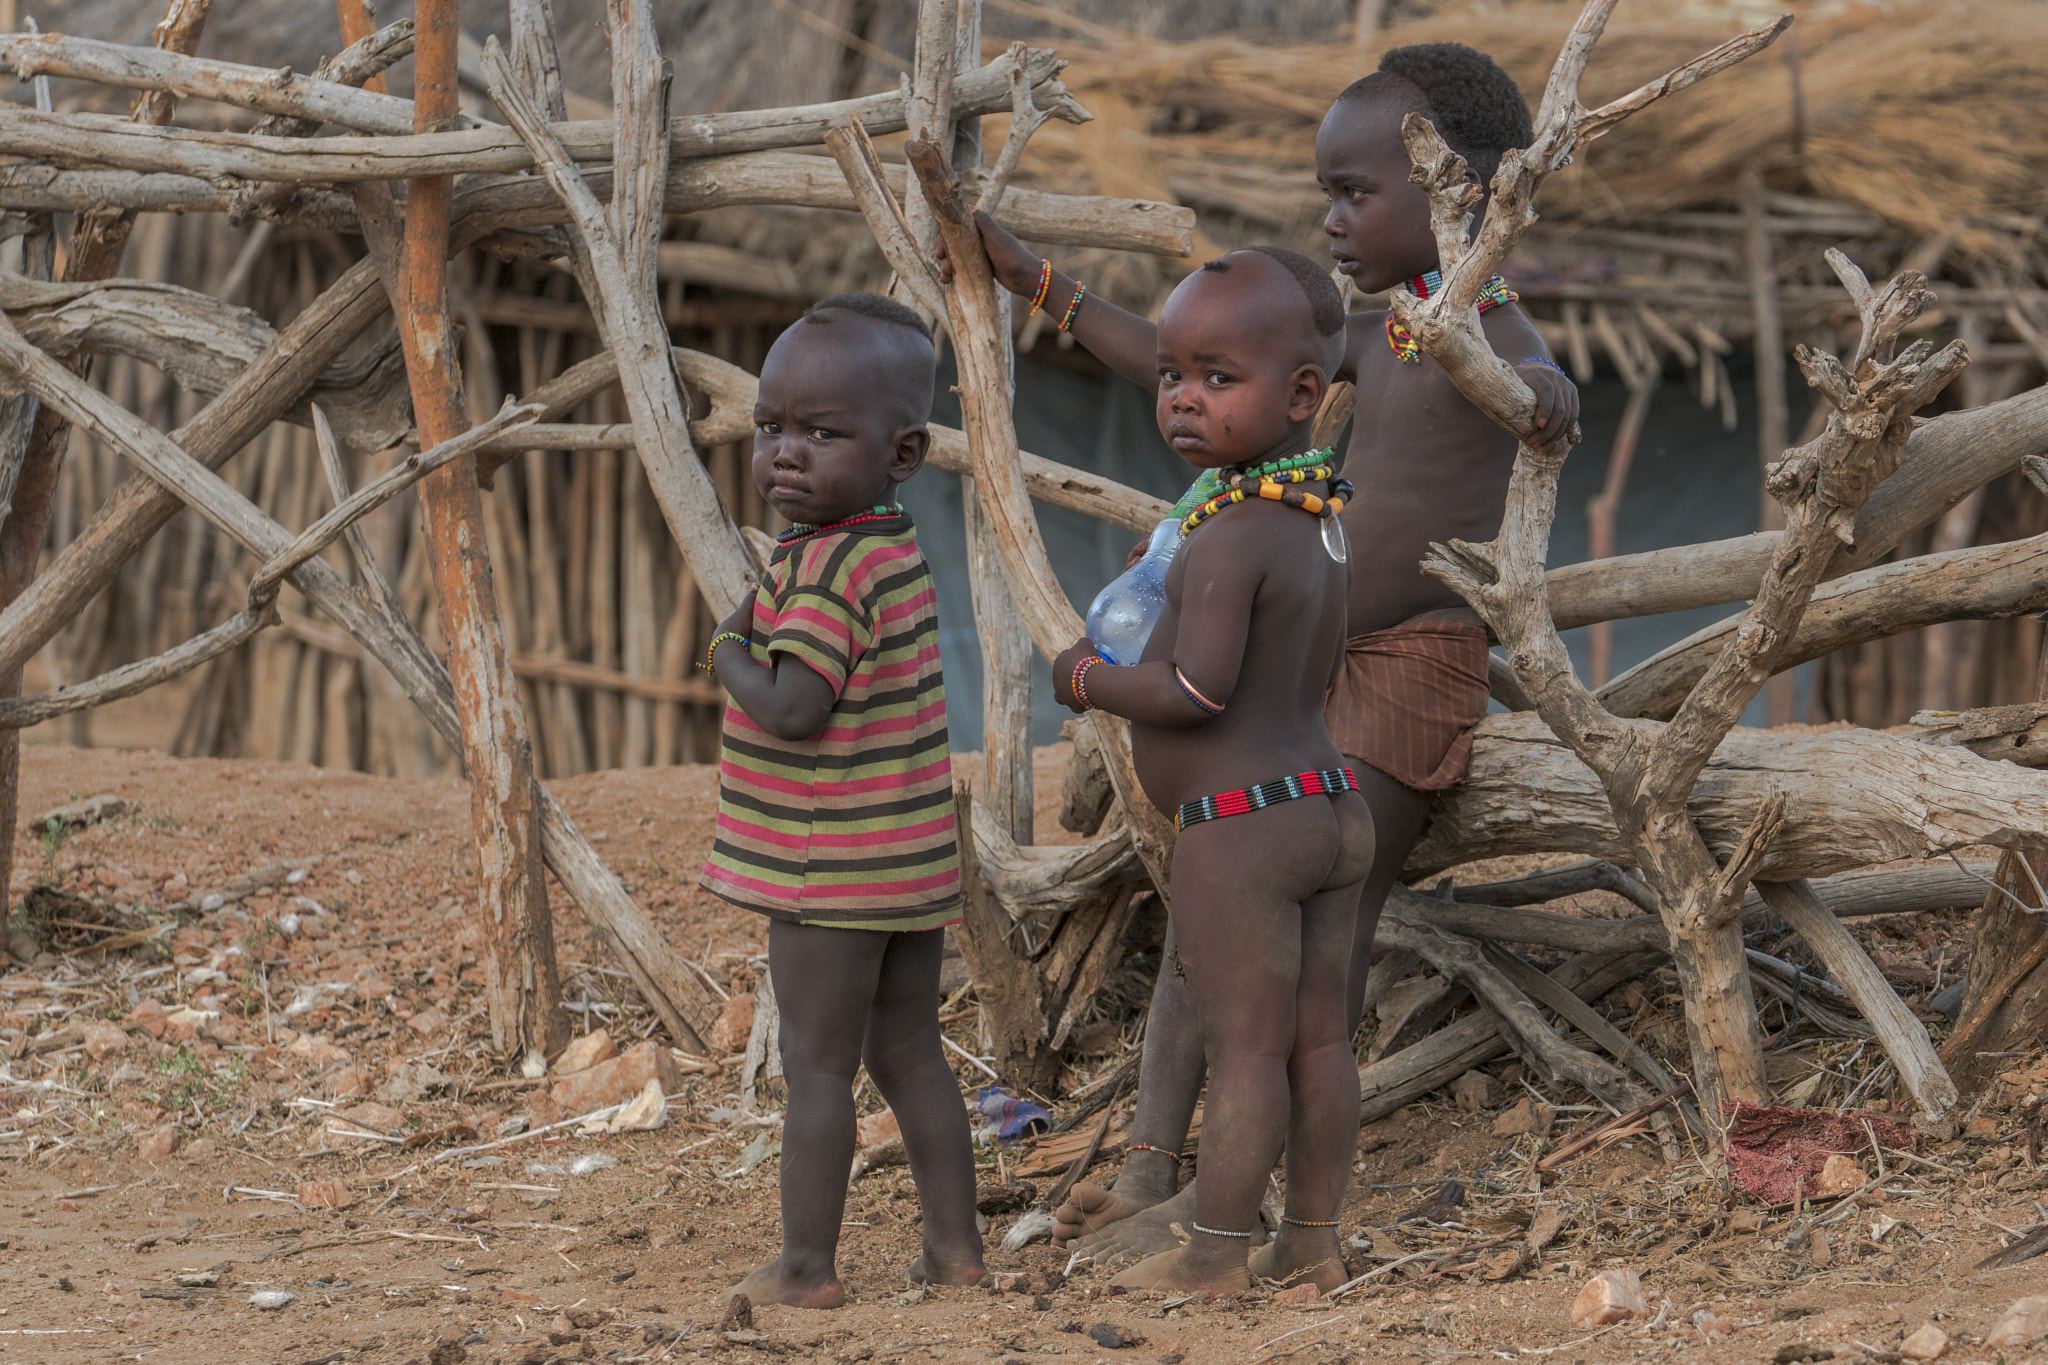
(912, 445)
(1306, 387)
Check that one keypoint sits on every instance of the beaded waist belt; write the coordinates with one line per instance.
(1328, 782)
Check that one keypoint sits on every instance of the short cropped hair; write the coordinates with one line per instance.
(1325, 304)
(877, 306)
(1474, 104)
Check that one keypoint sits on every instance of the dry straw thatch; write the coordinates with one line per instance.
(1924, 114)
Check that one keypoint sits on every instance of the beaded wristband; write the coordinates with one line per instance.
(711, 650)
(1194, 696)
(1148, 1147)
(1044, 285)
(1080, 292)
(1079, 682)
(1214, 1233)
(1540, 360)
(1307, 1222)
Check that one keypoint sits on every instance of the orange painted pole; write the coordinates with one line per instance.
(522, 987)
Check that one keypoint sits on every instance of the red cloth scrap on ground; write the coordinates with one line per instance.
(1777, 1151)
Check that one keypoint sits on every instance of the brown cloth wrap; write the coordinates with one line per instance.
(1408, 698)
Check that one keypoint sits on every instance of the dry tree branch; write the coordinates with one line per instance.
(619, 253)
(855, 153)
(1026, 118)
(86, 140)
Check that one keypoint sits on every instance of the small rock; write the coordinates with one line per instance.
(427, 1023)
(1530, 1116)
(67, 1206)
(1926, 1344)
(103, 1039)
(317, 1051)
(447, 1353)
(156, 1144)
(617, 1080)
(1611, 1296)
(1983, 1126)
(90, 811)
(1111, 1337)
(739, 1314)
(1799, 1352)
(649, 1110)
(2025, 1321)
(1745, 1220)
(1473, 1091)
(1840, 1175)
(586, 1052)
(735, 1023)
(270, 1300)
(326, 1194)
(198, 1279)
(1299, 1293)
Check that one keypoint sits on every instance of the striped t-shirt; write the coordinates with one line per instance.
(853, 827)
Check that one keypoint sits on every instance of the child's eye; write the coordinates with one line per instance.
(768, 428)
(1354, 193)
(1217, 377)
(822, 433)
(1169, 376)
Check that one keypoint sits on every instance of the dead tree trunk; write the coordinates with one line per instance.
(521, 983)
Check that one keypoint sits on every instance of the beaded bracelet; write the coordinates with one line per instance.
(1148, 1147)
(1079, 682)
(1080, 292)
(1540, 360)
(711, 650)
(1044, 285)
(1194, 696)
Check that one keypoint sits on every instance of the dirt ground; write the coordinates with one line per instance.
(182, 1149)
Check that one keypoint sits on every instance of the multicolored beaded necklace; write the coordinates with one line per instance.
(1495, 293)
(798, 530)
(1270, 480)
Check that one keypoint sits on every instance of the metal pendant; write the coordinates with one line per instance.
(1334, 542)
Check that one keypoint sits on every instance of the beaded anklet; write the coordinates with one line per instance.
(1214, 1233)
(1078, 683)
(1307, 1222)
(1148, 1147)
(1196, 697)
(711, 649)
(1493, 295)
(1073, 307)
(1044, 285)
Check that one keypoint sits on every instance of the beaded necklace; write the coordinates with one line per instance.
(798, 530)
(1270, 480)
(1495, 293)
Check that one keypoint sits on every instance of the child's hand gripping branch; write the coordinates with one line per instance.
(835, 793)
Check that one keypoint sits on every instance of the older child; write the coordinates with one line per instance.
(835, 793)
(1428, 466)
(1226, 705)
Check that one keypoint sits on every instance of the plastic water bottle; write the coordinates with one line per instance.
(1123, 614)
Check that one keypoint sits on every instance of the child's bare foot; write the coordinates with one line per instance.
(933, 1268)
(1090, 1209)
(776, 1283)
(1148, 1178)
(1176, 1270)
(1149, 1231)
(1301, 1256)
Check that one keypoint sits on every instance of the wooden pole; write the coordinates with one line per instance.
(97, 239)
(521, 985)
(1773, 422)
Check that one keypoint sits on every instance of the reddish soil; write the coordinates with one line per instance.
(505, 1256)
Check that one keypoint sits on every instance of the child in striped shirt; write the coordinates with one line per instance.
(835, 793)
